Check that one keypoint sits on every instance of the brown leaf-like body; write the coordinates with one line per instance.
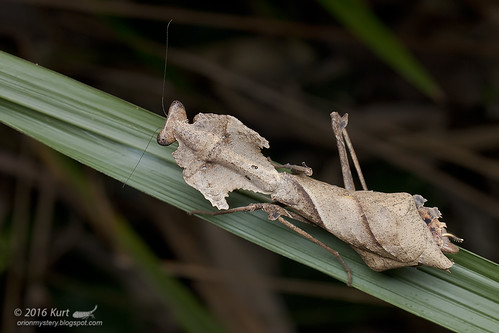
(219, 154)
(384, 228)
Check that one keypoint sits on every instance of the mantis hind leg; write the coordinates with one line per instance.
(277, 213)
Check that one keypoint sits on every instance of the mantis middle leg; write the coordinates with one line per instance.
(277, 213)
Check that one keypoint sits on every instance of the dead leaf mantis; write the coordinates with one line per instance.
(220, 154)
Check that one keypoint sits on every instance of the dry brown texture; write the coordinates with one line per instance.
(220, 154)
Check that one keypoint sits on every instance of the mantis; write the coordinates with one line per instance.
(388, 230)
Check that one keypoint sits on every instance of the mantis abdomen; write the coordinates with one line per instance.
(386, 229)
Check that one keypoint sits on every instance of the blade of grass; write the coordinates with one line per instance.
(181, 302)
(356, 17)
(62, 133)
(109, 134)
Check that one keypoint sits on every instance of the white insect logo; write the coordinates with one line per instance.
(84, 314)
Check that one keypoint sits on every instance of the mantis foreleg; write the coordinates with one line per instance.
(339, 125)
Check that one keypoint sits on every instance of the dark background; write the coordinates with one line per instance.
(280, 67)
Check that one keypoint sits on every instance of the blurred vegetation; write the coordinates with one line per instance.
(280, 67)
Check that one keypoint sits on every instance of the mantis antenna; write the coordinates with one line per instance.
(162, 104)
(164, 70)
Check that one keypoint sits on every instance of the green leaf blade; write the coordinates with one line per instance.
(354, 15)
(108, 134)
